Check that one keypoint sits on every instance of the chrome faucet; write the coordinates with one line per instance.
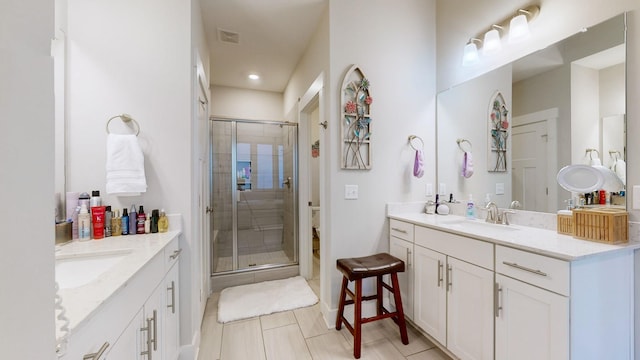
(492, 212)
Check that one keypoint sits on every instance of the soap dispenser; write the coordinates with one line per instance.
(471, 208)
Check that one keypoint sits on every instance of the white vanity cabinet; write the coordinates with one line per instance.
(140, 321)
(453, 300)
(401, 246)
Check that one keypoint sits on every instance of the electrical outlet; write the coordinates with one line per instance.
(429, 189)
(351, 192)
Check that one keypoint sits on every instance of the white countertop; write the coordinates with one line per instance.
(540, 241)
(81, 302)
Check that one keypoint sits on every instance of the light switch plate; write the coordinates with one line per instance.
(351, 192)
(636, 197)
(499, 188)
(442, 189)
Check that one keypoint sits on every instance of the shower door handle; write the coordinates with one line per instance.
(287, 182)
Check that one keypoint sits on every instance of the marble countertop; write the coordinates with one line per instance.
(540, 241)
(137, 250)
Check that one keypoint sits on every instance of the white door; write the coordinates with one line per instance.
(403, 250)
(529, 165)
(469, 310)
(533, 324)
(204, 203)
(430, 295)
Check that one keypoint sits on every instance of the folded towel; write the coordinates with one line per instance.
(125, 166)
(418, 164)
(467, 165)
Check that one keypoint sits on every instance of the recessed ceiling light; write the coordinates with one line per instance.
(254, 76)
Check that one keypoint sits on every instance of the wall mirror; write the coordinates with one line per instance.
(563, 101)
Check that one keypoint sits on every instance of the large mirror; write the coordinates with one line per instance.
(565, 105)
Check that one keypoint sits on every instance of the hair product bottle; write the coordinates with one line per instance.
(108, 216)
(133, 219)
(163, 222)
(154, 221)
(84, 224)
(141, 219)
(116, 224)
(147, 224)
(124, 221)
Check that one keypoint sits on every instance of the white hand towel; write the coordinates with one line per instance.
(620, 168)
(125, 166)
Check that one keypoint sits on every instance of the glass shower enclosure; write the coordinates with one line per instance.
(254, 195)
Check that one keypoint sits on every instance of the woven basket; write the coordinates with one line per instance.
(602, 225)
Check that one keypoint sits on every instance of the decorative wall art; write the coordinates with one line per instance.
(356, 121)
(498, 134)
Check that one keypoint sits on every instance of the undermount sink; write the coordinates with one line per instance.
(75, 270)
(474, 224)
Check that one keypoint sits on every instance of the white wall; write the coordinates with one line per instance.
(135, 57)
(245, 104)
(396, 54)
(27, 174)
(585, 111)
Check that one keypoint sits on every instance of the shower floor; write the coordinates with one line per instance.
(255, 248)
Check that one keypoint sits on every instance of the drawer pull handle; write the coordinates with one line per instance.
(400, 230)
(496, 299)
(175, 254)
(537, 272)
(440, 265)
(172, 306)
(96, 355)
(408, 257)
(449, 277)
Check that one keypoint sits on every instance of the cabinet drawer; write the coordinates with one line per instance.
(171, 253)
(470, 250)
(401, 230)
(545, 272)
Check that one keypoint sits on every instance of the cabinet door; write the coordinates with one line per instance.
(469, 310)
(430, 302)
(152, 334)
(403, 250)
(171, 335)
(128, 344)
(532, 323)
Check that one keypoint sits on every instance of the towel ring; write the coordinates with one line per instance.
(460, 141)
(411, 142)
(614, 154)
(590, 152)
(126, 118)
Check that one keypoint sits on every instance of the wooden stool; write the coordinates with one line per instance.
(356, 269)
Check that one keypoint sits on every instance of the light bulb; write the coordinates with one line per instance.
(491, 43)
(518, 28)
(470, 54)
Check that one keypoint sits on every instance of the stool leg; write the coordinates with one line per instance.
(379, 295)
(396, 296)
(357, 320)
(343, 295)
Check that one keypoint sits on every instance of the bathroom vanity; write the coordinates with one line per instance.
(120, 296)
(488, 291)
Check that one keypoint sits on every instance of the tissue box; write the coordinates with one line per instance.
(605, 225)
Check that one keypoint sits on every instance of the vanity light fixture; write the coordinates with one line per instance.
(471, 56)
(254, 76)
(517, 26)
(492, 42)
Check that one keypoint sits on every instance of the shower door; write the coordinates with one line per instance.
(254, 195)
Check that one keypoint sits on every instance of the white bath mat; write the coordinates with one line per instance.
(245, 301)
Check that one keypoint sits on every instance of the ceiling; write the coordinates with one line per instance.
(272, 36)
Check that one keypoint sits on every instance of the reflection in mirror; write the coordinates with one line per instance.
(562, 100)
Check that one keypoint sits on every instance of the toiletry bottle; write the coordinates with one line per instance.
(133, 220)
(163, 222)
(95, 198)
(141, 219)
(471, 208)
(108, 216)
(74, 226)
(154, 221)
(437, 202)
(147, 224)
(84, 223)
(116, 224)
(97, 222)
(84, 199)
(124, 221)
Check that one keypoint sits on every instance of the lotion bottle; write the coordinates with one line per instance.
(84, 224)
(147, 224)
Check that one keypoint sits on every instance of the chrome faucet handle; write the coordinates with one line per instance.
(515, 204)
(492, 212)
(504, 219)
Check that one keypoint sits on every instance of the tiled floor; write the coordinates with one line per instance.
(303, 334)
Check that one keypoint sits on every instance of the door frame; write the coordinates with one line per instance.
(311, 100)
